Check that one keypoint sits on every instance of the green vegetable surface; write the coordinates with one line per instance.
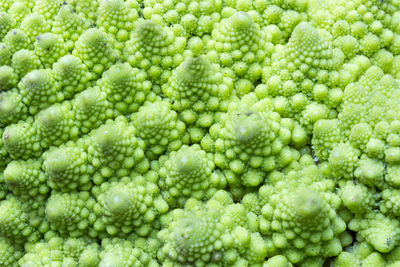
(232, 133)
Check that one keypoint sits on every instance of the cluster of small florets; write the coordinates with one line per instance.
(262, 133)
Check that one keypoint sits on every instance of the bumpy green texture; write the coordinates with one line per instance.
(198, 92)
(25, 178)
(91, 109)
(96, 50)
(85, 9)
(193, 83)
(16, 40)
(69, 25)
(390, 202)
(8, 78)
(21, 220)
(155, 49)
(326, 134)
(240, 47)
(127, 88)
(34, 24)
(11, 108)
(305, 76)
(6, 24)
(363, 143)
(300, 217)
(131, 204)
(47, 8)
(189, 172)
(71, 214)
(114, 150)
(24, 61)
(55, 125)
(72, 75)
(250, 140)
(381, 232)
(39, 90)
(5, 54)
(49, 48)
(215, 233)
(160, 128)
(116, 18)
(119, 252)
(278, 18)
(67, 167)
(362, 27)
(4, 160)
(19, 9)
(9, 254)
(232, 133)
(362, 254)
(61, 252)
(185, 17)
(21, 140)
(358, 198)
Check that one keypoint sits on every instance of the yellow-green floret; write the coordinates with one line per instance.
(185, 17)
(113, 150)
(189, 172)
(200, 133)
(240, 47)
(39, 90)
(22, 221)
(24, 61)
(69, 25)
(55, 125)
(155, 49)
(119, 252)
(116, 18)
(132, 204)
(21, 140)
(91, 109)
(6, 24)
(198, 92)
(8, 78)
(67, 167)
(215, 233)
(300, 219)
(49, 47)
(16, 40)
(33, 25)
(72, 75)
(9, 253)
(47, 8)
(251, 140)
(378, 230)
(96, 50)
(57, 251)
(25, 178)
(72, 214)
(159, 127)
(12, 109)
(127, 88)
